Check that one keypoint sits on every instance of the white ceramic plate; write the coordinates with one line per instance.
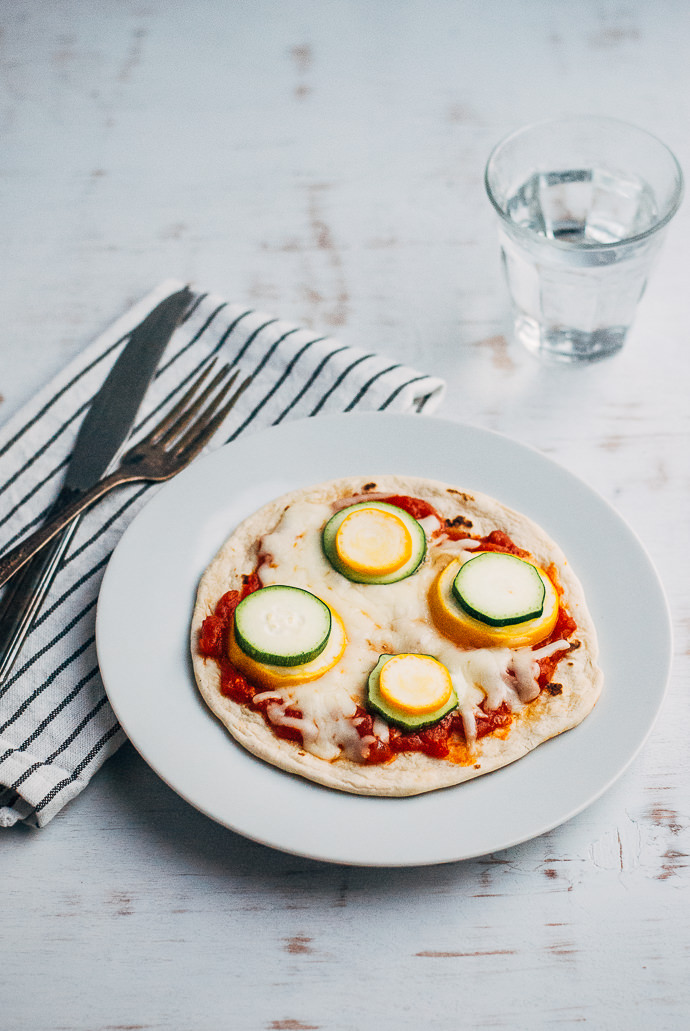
(143, 630)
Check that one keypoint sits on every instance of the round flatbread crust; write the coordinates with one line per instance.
(409, 773)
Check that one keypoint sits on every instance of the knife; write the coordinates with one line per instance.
(104, 430)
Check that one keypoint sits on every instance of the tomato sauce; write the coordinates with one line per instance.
(565, 626)
(415, 507)
(497, 540)
(214, 634)
(233, 684)
(436, 741)
(564, 629)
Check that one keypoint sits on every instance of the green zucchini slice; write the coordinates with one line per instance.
(499, 589)
(405, 721)
(283, 626)
(416, 531)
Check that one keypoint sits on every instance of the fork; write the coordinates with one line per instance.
(161, 454)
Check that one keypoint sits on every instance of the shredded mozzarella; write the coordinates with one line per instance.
(382, 730)
(306, 727)
(486, 668)
(525, 668)
(263, 696)
(469, 724)
(550, 649)
(446, 543)
(381, 619)
(429, 524)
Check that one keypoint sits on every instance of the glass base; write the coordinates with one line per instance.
(559, 344)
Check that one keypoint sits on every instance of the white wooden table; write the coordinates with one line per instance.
(324, 161)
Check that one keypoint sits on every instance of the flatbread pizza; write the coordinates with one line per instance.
(392, 635)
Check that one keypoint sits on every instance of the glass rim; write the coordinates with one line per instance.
(568, 245)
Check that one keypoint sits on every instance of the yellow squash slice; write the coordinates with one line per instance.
(469, 632)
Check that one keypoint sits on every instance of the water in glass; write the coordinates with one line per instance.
(575, 294)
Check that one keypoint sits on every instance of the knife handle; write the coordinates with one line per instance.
(70, 503)
(25, 595)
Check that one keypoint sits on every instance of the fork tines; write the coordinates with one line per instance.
(190, 412)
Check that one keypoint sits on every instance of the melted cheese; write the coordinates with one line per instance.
(448, 546)
(385, 618)
(429, 524)
(487, 669)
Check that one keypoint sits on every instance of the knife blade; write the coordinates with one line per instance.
(104, 430)
(112, 412)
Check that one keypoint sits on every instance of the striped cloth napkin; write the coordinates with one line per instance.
(56, 726)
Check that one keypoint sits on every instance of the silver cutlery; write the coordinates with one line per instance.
(165, 451)
(105, 428)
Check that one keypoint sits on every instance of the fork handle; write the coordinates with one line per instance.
(13, 560)
(23, 599)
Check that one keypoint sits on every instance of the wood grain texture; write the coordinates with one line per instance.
(324, 161)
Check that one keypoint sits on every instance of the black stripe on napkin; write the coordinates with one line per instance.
(78, 687)
(46, 445)
(334, 386)
(363, 389)
(34, 490)
(45, 614)
(56, 672)
(192, 308)
(250, 340)
(399, 389)
(103, 527)
(279, 382)
(312, 379)
(39, 690)
(180, 386)
(60, 393)
(47, 799)
(65, 744)
(164, 368)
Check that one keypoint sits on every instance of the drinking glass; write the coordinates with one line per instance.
(583, 203)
